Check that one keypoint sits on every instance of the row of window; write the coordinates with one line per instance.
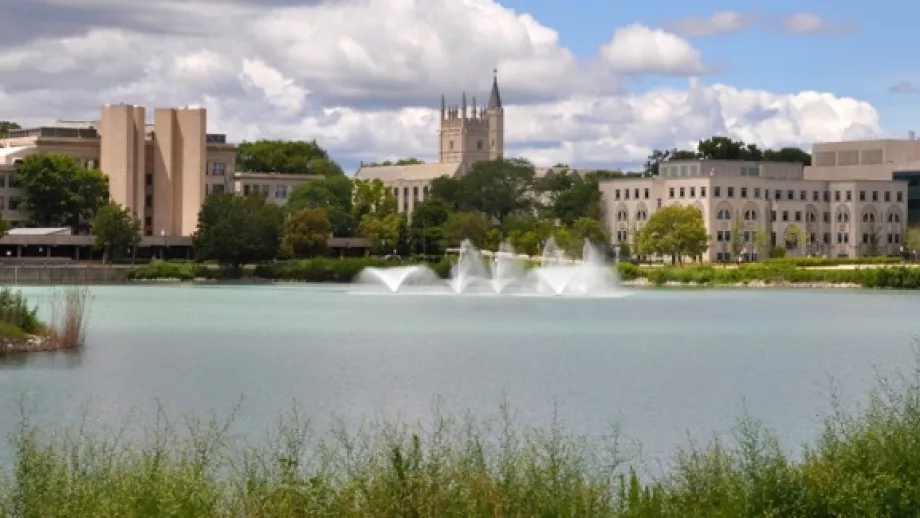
(757, 193)
(281, 191)
(751, 215)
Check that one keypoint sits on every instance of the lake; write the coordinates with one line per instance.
(663, 362)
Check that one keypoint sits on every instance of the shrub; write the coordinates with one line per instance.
(16, 312)
(69, 314)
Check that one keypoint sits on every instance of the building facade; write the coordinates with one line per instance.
(161, 171)
(277, 187)
(467, 134)
(845, 218)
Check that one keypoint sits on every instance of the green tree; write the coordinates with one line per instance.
(760, 241)
(426, 230)
(911, 241)
(305, 233)
(796, 237)
(873, 241)
(332, 194)
(285, 156)
(737, 236)
(61, 192)
(6, 126)
(235, 230)
(466, 225)
(381, 231)
(403, 161)
(571, 197)
(588, 229)
(496, 188)
(115, 230)
(5, 225)
(372, 197)
(676, 231)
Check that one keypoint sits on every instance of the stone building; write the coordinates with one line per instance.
(468, 133)
(840, 218)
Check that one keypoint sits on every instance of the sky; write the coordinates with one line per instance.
(591, 83)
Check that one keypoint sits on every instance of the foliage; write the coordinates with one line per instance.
(571, 197)
(115, 230)
(320, 269)
(864, 463)
(235, 230)
(305, 233)
(496, 188)
(426, 230)
(465, 225)
(6, 126)
(725, 148)
(911, 240)
(61, 192)
(403, 161)
(797, 237)
(16, 312)
(372, 197)
(737, 236)
(5, 225)
(288, 157)
(677, 231)
(777, 252)
(382, 232)
(69, 316)
(333, 194)
(588, 229)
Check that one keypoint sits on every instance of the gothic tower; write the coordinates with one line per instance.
(470, 134)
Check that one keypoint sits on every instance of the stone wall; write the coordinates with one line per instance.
(61, 273)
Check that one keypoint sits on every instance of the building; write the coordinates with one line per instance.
(277, 187)
(885, 159)
(160, 171)
(841, 218)
(468, 133)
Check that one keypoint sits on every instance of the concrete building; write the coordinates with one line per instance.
(160, 171)
(468, 134)
(841, 218)
(276, 187)
(885, 159)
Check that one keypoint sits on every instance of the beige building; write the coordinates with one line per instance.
(468, 134)
(276, 187)
(839, 218)
(161, 171)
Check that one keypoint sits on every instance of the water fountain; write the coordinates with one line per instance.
(557, 275)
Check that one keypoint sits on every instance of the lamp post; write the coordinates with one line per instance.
(165, 245)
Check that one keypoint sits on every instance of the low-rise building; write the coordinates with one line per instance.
(277, 187)
(844, 218)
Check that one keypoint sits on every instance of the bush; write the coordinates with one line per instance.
(829, 261)
(896, 277)
(15, 312)
(323, 269)
(69, 314)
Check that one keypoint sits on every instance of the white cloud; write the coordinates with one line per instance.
(719, 23)
(636, 49)
(364, 78)
(810, 23)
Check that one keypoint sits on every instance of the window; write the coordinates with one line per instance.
(616, 194)
(2, 180)
(148, 179)
(217, 188)
(862, 195)
(148, 221)
(693, 192)
(218, 168)
(827, 196)
(790, 195)
(724, 214)
(874, 195)
(888, 196)
(415, 193)
(682, 193)
(803, 195)
(451, 144)
(757, 192)
(815, 196)
(646, 193)
(868, 218)
(836, 195)
(900, 196)
(731, 192)
(893, 217)
(658, 203)
(148, 201)
(479, 145)
(750, 215)
(785, 215)
(625, 194)
(717, 191)
(636, 192)
(798, 215)
(849, 195)
(281, 191)
(670, 192)
(827, 238)
(778, 195)
(744, 192)
(703, 192)
(772, 215)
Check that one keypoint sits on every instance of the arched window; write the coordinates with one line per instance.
(724, 214)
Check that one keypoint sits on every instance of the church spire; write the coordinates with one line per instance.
(495, 100)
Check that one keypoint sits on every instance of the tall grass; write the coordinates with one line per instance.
(69, 315)
(863, 464)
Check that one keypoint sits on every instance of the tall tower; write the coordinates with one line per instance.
(496, 121)
(472, 133)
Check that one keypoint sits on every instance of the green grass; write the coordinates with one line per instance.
(863, 464)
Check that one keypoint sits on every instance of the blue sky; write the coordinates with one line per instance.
(862, 64)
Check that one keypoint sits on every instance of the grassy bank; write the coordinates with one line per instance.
(774, 273)
(863, 464)
(22, 331)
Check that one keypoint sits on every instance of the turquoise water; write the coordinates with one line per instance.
(662, 363)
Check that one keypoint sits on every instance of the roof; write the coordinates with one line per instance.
(392, 173)
(12, 152)
(495, 99)
(52, 231)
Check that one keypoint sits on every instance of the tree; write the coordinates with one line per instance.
(911, 241)
(372, 197)
(115, 230)
(235, 230)
(403, 161)
(305, 233)
(6, 126)
(495, 188)
(381, 231)
(285, 156)
(60, 192)
(332, 194)
(466, 225)
(787, 154)
(571, 197)
(873, 241)
(5, 226)
(591, 230)
(426, 230)
(737, 236)
(676, 231)
(796, 237)
(760, 241)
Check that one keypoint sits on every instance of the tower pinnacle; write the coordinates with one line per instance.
(495, 99)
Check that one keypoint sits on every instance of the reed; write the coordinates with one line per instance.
(69, 315)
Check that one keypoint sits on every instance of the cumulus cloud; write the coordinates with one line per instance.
(364, 77)
(719, 23)
(810, 23)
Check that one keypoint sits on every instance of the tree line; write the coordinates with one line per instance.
(725, 148)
